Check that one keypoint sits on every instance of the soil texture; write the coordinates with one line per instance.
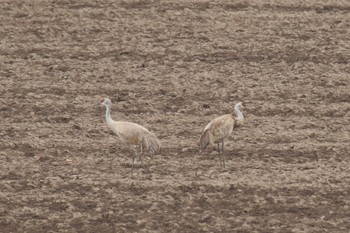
(172, 66)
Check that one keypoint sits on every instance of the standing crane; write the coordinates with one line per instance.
(132, 134)
(219, 129)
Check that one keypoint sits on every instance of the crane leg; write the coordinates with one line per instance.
(222, 152)
(134, 154)
(141, 153)
(220, 163)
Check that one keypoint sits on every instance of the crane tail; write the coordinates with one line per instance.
(204, 140)
(152, 143)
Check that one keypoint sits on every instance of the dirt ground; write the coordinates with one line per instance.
(172, 66)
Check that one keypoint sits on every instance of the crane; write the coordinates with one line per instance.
(133, 135)
(219, 129)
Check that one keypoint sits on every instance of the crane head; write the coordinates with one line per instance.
(106, 102)
(240, 105)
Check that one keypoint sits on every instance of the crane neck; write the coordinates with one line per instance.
(108, 113)
(238, 113)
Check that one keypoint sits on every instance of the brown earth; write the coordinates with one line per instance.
(172, 66)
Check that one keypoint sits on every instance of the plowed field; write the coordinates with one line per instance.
(172, 66)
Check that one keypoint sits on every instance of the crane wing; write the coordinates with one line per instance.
(152, 143)
(209, 125)
(135, 134)
(217, 129)
(222, 127)
(204, 139)
(128, 132)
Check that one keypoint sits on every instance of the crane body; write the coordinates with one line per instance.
(133, 135)
(220, 129)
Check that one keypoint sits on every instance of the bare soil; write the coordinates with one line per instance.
(172, 66)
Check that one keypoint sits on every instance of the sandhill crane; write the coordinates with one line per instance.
(132, 134)
(219, 129)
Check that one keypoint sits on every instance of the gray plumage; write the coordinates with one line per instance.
(219, 129)
(132, 134)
